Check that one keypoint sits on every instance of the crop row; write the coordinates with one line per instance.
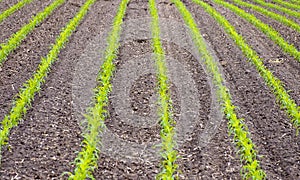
(287, 4)
(265, 28)
(279, 8)
(295, 2)
(236, 126)
(13, 9)
(33, 85)
(280, 18)
(86, 161)
(169, 154)
(285, 100)
(15, 40)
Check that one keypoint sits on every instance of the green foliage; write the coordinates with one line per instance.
(275, 84)
(169, 154)
(236, 126)
(287, 4)
(265, 28)
(15, 40)
(14, 8)
(279, 8)
(296, 2)
(290, 23)
(33, 85)
(86, 161)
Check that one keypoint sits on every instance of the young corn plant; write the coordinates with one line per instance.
(287, 4)
(15, 40)
(282, 19)
(86, 161)
(265, 28)
(33, 85)
(279, 8)
(168, 152)
(13, 9)
(237, 128)
(285, 101)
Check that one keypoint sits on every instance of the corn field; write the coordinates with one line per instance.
(157, 89)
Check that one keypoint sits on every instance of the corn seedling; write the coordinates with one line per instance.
(237, 127)
(290, 23)
(265, 28)
(33, 85)
(169, 154)
(13, 9)
(279, 8)
(86, 160)
(15, 40)
(287, 4)
(274, 83)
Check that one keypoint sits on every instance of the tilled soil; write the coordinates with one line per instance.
(45, 143)
(6, 4)
(276, 11)
(269, 126)
(20, 65)
(14, 22)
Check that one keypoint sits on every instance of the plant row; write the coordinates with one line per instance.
(295, 2)
(279, 8)
(86, 161)
(13, 9)
(265, 28)
(274, 83)
(33, 85)
(15, 40)
(168, 152)
(237, 127)
(287, 4)
(280, 18)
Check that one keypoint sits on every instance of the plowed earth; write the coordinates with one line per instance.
(45, 143)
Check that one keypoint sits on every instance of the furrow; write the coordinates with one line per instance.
(33, 85)
(265, 28)
(15, 40)
(13, 9)
(279, 8)
(237, 128)
(287, 4)
(282, 19)
(274, 83)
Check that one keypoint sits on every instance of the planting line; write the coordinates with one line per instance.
(167, 133)
(287, 4)
(265, 28)
(241, 136)
(279, 8)
(295, 2)
(286, 102)
(86, 161)
(33, 85)
(13, 9)
(290, 23)
(15, 40)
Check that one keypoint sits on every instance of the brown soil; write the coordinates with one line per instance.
(45, 143)
(18, 19)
